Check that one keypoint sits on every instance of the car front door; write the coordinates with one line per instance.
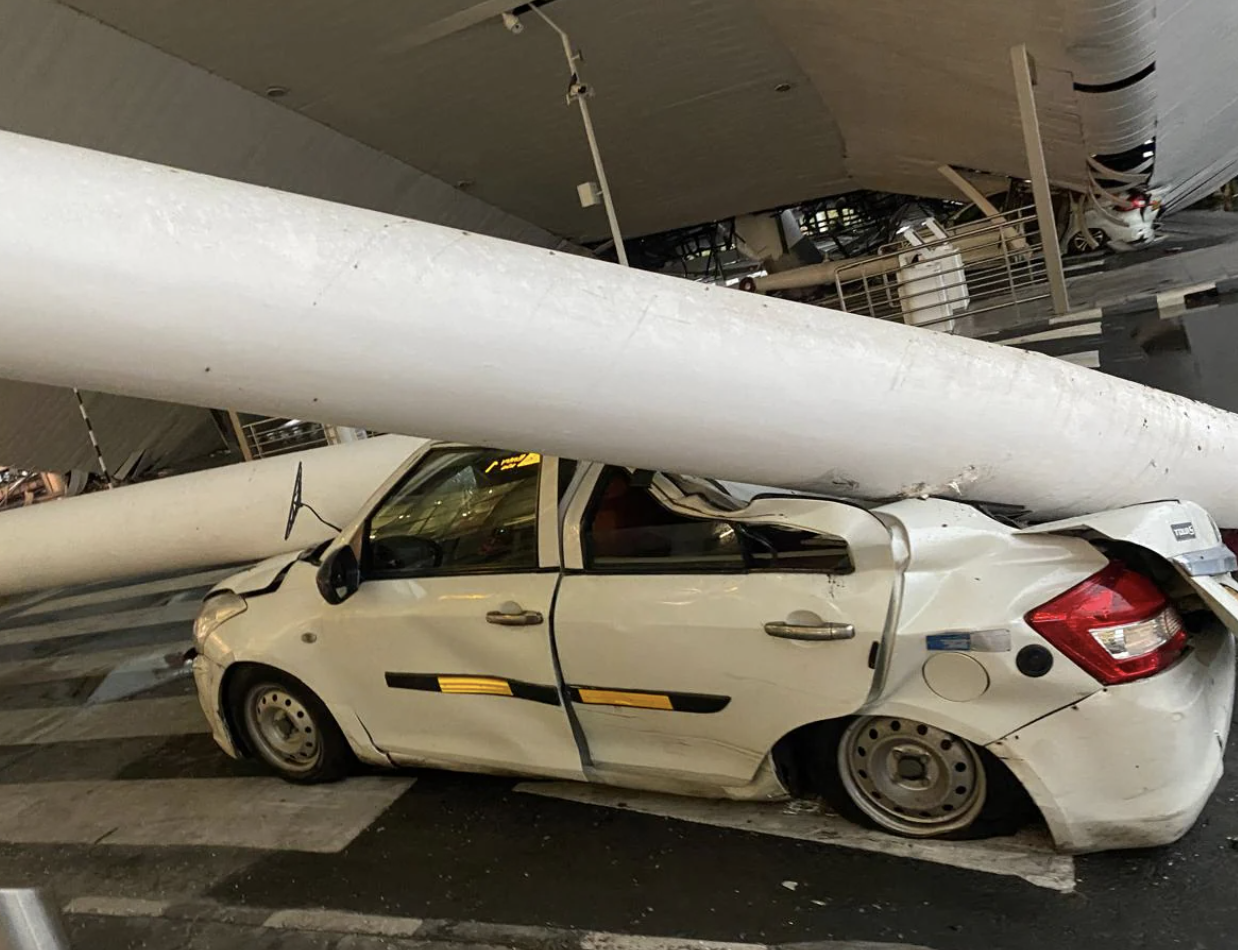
(692, 639)
(446, 642)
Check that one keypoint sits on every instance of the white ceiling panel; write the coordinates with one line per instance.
(877, 94)
(687, 109)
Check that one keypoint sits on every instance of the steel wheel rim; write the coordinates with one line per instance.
(911, 778)
(282, 728)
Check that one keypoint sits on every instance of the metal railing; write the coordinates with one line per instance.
(936, 275)
(267, 437)
(20, 488)
(264, 436)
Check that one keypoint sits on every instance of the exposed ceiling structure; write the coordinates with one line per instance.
(72, 79)
(41, 428)
(1197, 96)
(709, 108)
(685, 109)
(705, 109)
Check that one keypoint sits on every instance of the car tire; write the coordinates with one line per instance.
(948, 788)
(1079, 244)
(287, 727)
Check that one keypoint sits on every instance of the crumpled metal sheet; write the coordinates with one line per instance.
(909, 92)
(41, 429)
(1197, 98)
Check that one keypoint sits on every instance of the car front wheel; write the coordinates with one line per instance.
(919, 781)
(288, 727)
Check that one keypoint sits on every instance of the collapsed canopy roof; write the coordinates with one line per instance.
(709, 109)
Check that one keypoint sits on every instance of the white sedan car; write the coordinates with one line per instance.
(1122, 226)
(934, 669)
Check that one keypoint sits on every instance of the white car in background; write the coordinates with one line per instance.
(932, 668)
(1121, 225)
(1085, 224)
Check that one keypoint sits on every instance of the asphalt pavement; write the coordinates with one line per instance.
(113, 797)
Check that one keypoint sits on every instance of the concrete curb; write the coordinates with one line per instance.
(1167, 303)
(447, 932)
(1077, 336)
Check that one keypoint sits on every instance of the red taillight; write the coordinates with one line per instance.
(1116, 625)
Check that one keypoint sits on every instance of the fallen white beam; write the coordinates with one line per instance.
(134, 278)
(228, 515)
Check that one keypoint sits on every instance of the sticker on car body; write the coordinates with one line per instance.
(980, 641)
(1183, 531)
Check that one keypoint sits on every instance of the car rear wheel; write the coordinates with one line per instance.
(911, 778)
(288, 727)
(916, 780)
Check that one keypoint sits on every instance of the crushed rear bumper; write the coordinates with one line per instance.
(1131, 766)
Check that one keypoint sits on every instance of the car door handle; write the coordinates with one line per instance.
(515, 618)
(814, 631)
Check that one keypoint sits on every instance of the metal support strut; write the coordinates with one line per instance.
(579, 93)
(1039, 173)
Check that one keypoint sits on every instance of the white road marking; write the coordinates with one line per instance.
(22, 672)
(134, 679)
(1172, 303)
(175, 716)
(103, 623)
(165, 585)
(444, 933)
(117, 906)
(342, 921)
(608, 941)
(21, 603)
(1029, 855)
(263, 813)
(1077, 317)
(1083, 329)
(1089, 359)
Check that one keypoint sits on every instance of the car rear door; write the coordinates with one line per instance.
(445, 646)
(692, 639)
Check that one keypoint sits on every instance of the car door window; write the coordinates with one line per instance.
(772, 547)
(627, 529)
(461, 511)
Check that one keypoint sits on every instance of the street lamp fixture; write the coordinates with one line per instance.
(579, 92)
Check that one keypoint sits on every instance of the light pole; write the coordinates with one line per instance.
(579, 93)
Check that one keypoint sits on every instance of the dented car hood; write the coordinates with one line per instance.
(262, 578)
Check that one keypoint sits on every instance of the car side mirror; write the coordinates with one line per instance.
(340, 575)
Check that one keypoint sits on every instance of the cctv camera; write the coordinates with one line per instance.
(513, 24)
